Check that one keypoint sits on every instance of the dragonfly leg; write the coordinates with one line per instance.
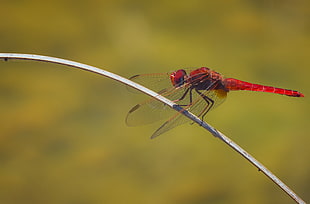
(209, 105)
(183, 96)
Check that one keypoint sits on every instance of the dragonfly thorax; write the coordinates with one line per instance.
(205, 79)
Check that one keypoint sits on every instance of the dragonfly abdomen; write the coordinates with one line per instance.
(235, 84)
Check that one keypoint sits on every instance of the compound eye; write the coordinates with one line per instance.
(178, 78)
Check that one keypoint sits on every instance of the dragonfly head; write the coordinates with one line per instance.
(178, 78)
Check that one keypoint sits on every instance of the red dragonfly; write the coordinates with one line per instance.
(198, 92)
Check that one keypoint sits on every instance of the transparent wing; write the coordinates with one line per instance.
(156, 82)
(147, 112)
(152, 110)
(198, 107)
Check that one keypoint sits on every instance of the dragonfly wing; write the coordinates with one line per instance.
(199, 107)
(176, 120)
(147, 112)
(152, 110)
(156, 82)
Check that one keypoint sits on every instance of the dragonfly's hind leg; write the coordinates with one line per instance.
(208, 107)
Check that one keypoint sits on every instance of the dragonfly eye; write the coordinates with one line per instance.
(178, 78)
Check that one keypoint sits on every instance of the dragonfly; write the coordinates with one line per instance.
(198, 91)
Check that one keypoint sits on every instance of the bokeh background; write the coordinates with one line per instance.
(62, 131)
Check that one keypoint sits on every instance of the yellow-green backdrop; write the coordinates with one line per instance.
(63, 138)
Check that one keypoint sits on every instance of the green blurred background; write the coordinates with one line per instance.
(62, 131)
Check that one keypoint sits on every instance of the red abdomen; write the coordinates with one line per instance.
(235, 84)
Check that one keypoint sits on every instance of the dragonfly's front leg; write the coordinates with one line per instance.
(189, 90)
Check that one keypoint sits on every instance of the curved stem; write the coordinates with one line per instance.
(213, 131)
